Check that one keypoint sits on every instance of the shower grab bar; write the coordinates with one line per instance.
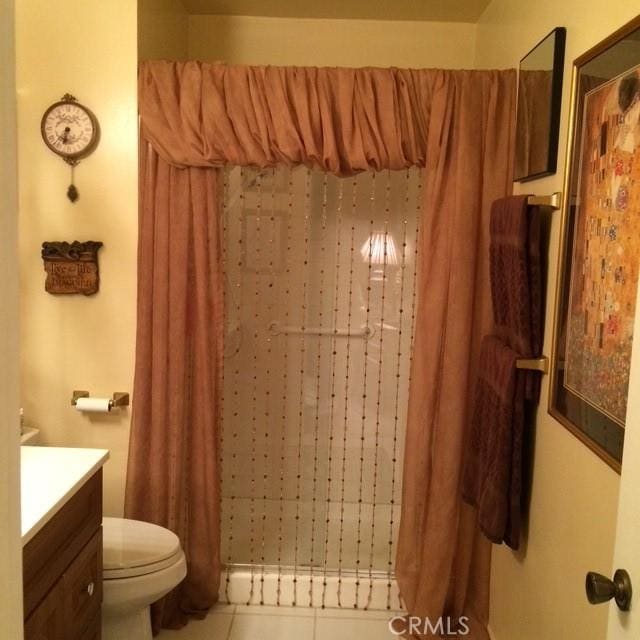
(365, 332)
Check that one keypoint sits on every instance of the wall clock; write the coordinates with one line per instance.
(71, 131)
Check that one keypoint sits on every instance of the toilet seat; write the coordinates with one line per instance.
(134, 548)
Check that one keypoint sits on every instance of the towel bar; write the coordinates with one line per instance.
(554, 201)
(534, 364)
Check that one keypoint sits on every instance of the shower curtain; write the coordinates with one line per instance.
(172, 475)
(195, 117)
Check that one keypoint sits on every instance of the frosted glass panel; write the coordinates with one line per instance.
(320, 293)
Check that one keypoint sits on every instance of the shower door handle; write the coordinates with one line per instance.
(600, 589)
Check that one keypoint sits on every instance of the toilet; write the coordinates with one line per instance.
(142, 562)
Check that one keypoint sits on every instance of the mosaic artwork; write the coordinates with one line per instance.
(606, 248)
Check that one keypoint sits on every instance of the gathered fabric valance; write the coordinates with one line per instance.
(340, 120)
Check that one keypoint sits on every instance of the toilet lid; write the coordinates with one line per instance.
(135, 545)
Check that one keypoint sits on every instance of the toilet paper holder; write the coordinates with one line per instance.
(119, 398)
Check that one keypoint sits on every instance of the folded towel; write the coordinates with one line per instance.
(516, 280)
(492, 479)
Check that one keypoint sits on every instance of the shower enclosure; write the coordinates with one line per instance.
(320, 292)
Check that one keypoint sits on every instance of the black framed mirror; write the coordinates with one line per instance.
(538, 115)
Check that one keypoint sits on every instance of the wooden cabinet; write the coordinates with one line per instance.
(62, 571)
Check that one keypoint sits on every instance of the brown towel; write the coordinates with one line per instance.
(516, 281)
(492, 479)
(493, 473)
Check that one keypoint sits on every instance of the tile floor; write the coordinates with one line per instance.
(242, 622)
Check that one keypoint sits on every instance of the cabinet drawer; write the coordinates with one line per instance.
(82, 586)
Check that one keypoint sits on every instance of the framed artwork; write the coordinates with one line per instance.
(539, 100)
(600, 255)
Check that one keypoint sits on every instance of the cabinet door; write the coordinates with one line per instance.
(47, 620)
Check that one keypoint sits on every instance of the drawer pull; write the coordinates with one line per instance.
(91, 588)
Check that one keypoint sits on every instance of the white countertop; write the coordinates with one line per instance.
(49, 476)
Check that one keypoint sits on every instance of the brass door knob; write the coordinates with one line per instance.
(600, 589)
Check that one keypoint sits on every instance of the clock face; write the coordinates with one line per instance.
(69, 129)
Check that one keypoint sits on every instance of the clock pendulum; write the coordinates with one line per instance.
(72, 191)
(71, 131)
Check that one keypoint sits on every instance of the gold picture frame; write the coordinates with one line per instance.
(597, 279)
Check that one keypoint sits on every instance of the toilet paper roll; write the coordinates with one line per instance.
(94, 405)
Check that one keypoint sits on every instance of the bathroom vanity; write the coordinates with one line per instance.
(61, 492)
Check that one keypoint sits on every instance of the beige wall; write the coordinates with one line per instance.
(10, 543)
(162, 30)
(346, 43)
(539, 593)
(76, 342)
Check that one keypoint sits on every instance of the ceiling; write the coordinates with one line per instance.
(429, 10)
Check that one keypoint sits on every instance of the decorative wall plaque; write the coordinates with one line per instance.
(71, 267)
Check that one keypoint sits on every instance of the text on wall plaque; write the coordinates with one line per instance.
(71, 267)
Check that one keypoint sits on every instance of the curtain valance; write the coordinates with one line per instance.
(341, 120)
